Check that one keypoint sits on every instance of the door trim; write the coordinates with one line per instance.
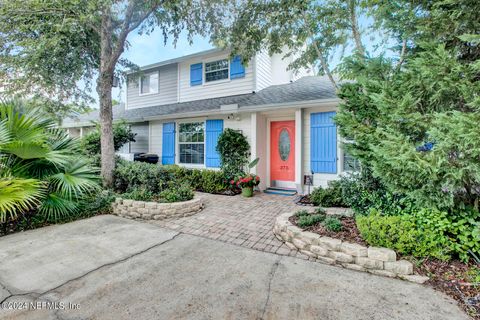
(289, 184)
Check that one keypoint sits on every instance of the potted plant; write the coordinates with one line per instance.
(246, 183)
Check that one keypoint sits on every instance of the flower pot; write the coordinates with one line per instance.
(247, 192)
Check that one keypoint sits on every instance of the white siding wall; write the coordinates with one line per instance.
(280, 75)
(141, 139)
(214, 89)
(167, 92)
(319, 179)
(263, 71)
(243, 123)
(156, 129)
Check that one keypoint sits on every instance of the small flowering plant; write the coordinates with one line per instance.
(247, 181)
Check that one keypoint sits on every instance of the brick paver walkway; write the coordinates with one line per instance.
(246, 222)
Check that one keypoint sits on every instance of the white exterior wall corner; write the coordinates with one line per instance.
(263, 71)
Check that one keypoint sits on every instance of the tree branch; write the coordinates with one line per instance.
(129, 25)
(323, 62)
(402, 54)
(355, 28)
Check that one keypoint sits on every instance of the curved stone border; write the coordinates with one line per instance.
(375, 260)
(154, 210)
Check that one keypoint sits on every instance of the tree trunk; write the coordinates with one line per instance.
(104, 89)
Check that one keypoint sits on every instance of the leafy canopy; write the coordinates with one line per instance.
(415, 124)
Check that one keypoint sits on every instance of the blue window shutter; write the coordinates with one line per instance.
(168, 143)
(213, 129)
(196, 73)
(237, 70)
(323, 143)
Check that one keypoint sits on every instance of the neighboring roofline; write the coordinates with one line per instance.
(176, 60)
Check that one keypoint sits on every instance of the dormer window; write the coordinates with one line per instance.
(149, 83)
(216, 70)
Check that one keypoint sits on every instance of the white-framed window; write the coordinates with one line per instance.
(191, 142)
(149, 83)
(216, 70)
(350, 163)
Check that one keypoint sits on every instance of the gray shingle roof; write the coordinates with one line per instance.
(304, 89)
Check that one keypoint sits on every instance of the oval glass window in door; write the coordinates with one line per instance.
(284, 144)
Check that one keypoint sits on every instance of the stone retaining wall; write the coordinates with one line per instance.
(155, 211)
(375, 260)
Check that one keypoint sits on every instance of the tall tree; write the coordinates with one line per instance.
(311, 31)
(50, 47)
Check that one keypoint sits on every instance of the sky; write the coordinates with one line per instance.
(148, 49)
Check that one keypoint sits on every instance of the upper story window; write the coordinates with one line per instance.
(216, 70)
(191, 142)
(149, 83)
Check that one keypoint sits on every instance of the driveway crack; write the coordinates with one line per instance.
(271, 275)
(38, 295)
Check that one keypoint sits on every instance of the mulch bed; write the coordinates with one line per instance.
(348, 233)
(450, 277)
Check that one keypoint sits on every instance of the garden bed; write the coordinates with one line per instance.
(375, 260)
(349, 230)
(150, 210)
(459, 280)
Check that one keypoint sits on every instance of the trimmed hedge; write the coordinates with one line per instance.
(156, 178)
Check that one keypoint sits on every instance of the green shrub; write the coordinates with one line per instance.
(234, 151)
(309, 220)
(300, 213)
(333, 224)
(156, 178)
(362, 192)
(464, 233)
(407, 234)
(100, 203)
(122, 134)
(139, 194)
(329, 197)
(178, 193)
(320, 210)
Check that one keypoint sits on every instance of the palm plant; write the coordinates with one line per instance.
(41, 168)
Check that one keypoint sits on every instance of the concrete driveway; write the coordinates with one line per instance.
(111, 268)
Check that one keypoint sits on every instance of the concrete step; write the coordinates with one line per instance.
(281, 191)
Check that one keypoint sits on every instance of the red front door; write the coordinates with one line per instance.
(282, 150)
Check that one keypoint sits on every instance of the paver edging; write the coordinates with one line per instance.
(149, 210)
(375, 260)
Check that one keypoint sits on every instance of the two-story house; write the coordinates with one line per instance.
(179, 107)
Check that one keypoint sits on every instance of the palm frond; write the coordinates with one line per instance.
(22, 127)
(5, 135)
(77, 179)
(56, 207)
(18, 195)
(26, 150)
